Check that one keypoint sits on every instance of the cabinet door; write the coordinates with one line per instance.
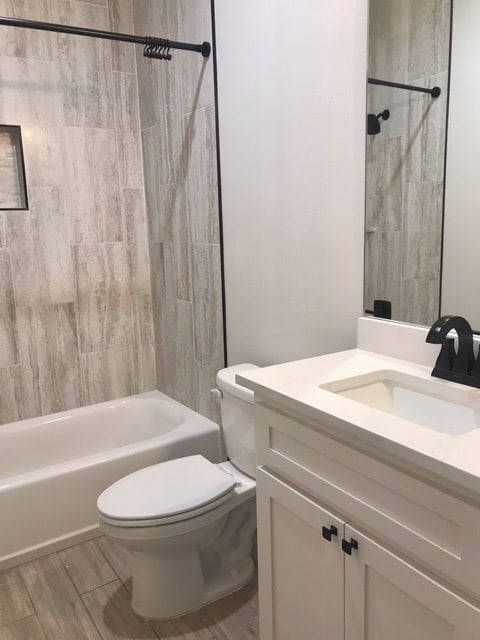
(301, 586)
(388, 599)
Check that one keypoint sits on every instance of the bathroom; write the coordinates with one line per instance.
(217, 282)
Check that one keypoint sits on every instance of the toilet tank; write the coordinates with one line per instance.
(237, 418)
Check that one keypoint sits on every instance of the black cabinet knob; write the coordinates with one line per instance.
(348, 547)
(327, 533)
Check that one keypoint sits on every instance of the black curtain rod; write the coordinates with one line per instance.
(435, 92)
(154, 47)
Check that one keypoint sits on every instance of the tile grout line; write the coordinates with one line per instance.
(107, 560)
(100, 586)
(79, 596)
(19, 574)
(12, 622)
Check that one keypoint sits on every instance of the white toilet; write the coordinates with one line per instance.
(189, 523)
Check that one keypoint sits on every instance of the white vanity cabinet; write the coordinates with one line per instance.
(410, 562)
(301, 572)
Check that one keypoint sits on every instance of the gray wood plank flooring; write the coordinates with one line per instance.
(82, 593)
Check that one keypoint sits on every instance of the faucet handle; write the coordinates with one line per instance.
(446, 357)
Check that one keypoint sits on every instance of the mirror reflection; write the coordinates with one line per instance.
(409, 44)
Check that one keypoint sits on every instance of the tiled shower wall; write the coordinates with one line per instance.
(408, 43)
(75, 293)
(179, 145)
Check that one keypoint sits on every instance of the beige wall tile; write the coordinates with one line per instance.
(146, 84)
(202, 188)
(179, 153)
(47, 80)
(425, 160)
(174, 226)
(388, 40)
(176, 354)
(157, 263)
(103, 296)
(22, 43)
(49, 350)
(42, 149)
(419, 301)
(127, 129)
(150, 146)
(107, 375)
(85, 66)
(19, 399)
(39, 244)
(428, 37)
(121, 21)
(3, 234)
(195, 25)
(207, 302)
(91, 184)
(385, 172)
(382, 264)
(144, 344)
(8, 321)
(10, 394)
(423, 210)
(31, 92)
(136, 238)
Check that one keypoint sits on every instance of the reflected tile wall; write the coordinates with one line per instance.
(76, 322)
(409, 42)
(179, 149)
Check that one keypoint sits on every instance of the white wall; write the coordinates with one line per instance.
(461, 247)
(291, 76)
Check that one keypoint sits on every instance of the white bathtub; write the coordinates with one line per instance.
(53, 468)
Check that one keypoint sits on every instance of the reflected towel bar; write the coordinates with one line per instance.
(157, 48)
(435, 92)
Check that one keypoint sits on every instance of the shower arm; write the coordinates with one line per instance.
(154, 47)
(435, 92)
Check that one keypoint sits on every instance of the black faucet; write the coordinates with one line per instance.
(458, 366)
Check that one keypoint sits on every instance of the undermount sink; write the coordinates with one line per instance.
(443, 408)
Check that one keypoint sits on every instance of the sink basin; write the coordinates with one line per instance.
(438, 406)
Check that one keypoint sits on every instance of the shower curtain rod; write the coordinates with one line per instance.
(435, 92)
(154, 47)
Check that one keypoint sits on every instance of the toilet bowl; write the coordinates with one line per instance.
(189, 523)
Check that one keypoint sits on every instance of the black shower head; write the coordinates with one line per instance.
(373, 122)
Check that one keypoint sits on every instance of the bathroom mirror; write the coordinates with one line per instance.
(13, 191)
(409, 43)
(423, 153)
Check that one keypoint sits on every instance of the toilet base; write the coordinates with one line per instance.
(219, 587)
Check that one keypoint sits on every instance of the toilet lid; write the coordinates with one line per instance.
(165, 489)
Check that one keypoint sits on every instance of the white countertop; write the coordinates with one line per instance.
(294, 387)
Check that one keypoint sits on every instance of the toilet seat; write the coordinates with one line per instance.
(165, 493)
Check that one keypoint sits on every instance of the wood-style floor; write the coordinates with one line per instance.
(82, 593)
